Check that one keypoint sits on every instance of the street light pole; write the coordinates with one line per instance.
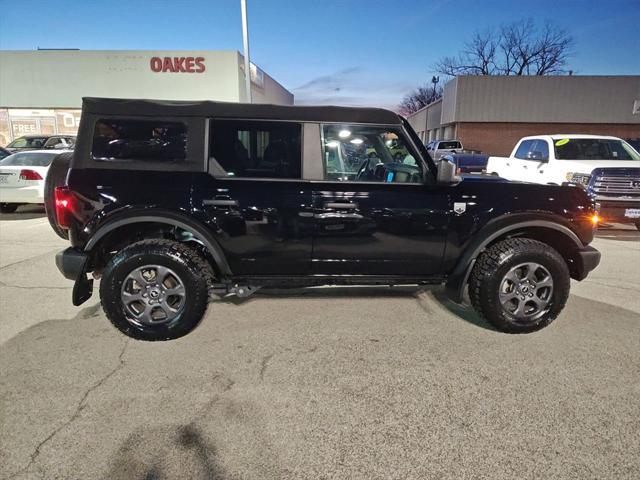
(245, 44)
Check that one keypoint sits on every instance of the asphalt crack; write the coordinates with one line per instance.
(264, 363)
(35, 257)
(25, 287)
(79, 407)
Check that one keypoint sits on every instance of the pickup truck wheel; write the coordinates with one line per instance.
(56, 177)
(155, 290)
(519, 285)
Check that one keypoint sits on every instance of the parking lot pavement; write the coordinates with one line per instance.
(324, 383)
(31, 288)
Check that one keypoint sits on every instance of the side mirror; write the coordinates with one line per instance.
(539, 156)
(447, 170)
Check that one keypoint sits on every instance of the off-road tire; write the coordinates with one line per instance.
(490, 269)
(192, 269)
(8, 207)
(56, 177)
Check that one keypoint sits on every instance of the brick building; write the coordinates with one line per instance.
(490, 113)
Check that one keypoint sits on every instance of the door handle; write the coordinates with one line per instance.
(341, 205)
(220, 203)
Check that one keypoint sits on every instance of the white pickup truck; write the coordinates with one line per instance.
(556, 158)
(608, 167)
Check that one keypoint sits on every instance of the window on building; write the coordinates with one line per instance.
(146, 140)
(361, 153)
(255, 149)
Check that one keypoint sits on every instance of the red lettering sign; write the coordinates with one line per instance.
(177, 64)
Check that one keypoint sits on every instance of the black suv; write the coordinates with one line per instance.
(169, 201)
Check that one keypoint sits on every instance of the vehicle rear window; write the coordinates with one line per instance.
(448, 145)
(146, 140)
(255, 149)
(28, 159)
(593, 149)
(28, 142)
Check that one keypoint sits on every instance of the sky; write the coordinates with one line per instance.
(345, 52)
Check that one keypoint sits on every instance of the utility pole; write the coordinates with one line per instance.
(245, 44)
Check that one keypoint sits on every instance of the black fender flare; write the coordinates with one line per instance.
(458, 278)
(173, 219)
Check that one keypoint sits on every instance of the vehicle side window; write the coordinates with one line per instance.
(145, 140)
(53, 142)
(539, 150)
(255, 149)
(524, 149)
(361, 153)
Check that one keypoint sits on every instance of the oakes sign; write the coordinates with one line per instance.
(177, 64)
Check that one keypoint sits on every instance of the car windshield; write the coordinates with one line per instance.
(448, 145)
(593, 149)
(28, 159)
(27, 142)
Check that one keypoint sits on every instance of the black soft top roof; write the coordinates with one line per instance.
(170, 108)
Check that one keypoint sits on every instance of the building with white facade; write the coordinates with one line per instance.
(41, 91)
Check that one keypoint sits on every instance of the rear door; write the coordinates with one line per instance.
(255, 197)
(379, 217)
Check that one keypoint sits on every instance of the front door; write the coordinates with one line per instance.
(374, 213)
(531, 158)
(255, 199)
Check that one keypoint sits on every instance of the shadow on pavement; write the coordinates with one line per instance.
(422, 294)
(621, 232)
(25, 212)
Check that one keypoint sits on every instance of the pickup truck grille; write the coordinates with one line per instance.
(617, 186)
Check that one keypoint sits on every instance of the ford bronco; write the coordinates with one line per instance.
(167, 202)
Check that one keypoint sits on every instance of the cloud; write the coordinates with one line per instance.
(331, 81)
(352, 86)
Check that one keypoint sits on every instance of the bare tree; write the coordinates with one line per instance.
(519, 48)
(418, 98)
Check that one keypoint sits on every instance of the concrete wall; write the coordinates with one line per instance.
(60, 78)
(269, 92)
(426, 121)
(533, 99)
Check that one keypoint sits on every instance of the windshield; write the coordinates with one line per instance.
(28, 159)
(24, 142)
(593, 149)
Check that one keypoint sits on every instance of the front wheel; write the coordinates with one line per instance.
(155, 290)
(637, 222)
(519, 285)
(8, 207)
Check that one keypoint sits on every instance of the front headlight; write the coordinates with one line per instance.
(579, 178)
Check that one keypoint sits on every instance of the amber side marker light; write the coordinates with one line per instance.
(595, 219)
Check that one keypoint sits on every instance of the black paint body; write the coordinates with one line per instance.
(310, 231)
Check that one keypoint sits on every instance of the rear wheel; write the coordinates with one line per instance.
(155, 290)
(56, 177)
(8, 207)
(519, 285)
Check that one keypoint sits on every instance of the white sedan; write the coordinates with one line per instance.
(22, 178)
